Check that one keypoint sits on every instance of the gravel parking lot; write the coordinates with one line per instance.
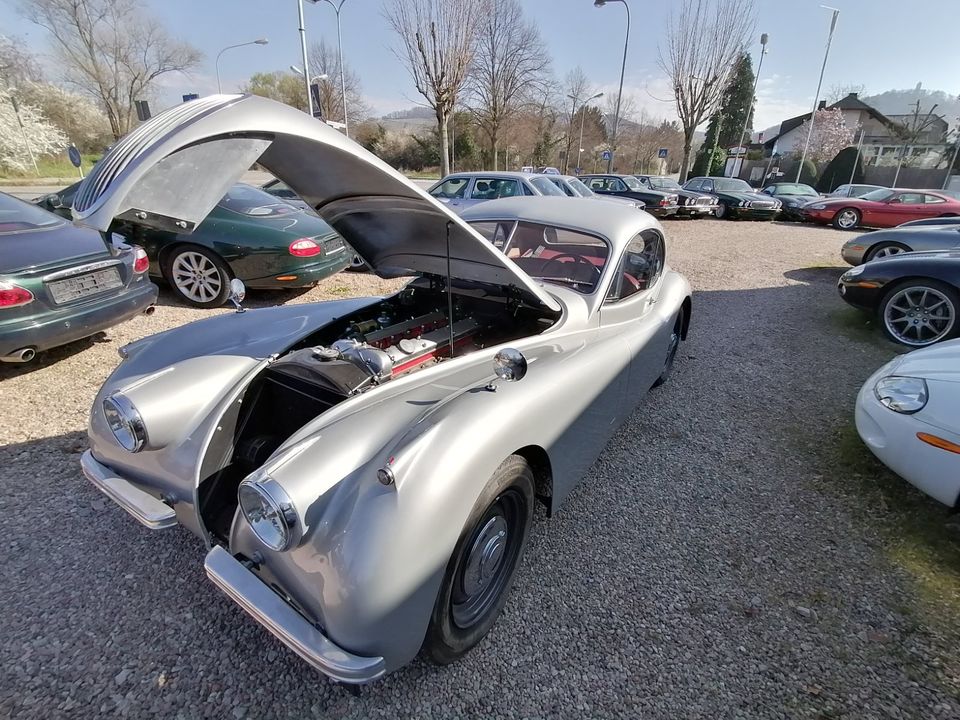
(712, 564)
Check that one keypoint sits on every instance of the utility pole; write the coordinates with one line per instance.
(816, 99)
(23, 132)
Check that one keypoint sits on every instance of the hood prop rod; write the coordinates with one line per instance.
(449, 291)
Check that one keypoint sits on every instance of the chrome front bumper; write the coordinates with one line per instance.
(289, 626)
(148, 510)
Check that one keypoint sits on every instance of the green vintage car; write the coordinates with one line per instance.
(249, 235)
(60, 283)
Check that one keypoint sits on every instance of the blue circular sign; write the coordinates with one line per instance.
(74, 155)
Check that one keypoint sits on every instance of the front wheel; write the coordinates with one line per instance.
(721, 211)
(846, 219)
(919, 312)
(882, 250)
(481, 569)
(197, 275)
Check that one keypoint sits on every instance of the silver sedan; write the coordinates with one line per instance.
(915, 238)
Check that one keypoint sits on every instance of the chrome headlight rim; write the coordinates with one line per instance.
(902, 394)
(118, 406)
(270, 495)
(816, 206)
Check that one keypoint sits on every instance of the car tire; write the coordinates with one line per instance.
(197, 276)
(847, 218)
(885, 249)
(468, 603)
(892, 321)
(675, 338)
(721, 212)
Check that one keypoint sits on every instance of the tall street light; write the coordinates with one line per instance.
(582, 116)
(337, 5)
(261, 41)
(303, 51)
(623, 67)
(816, 100)
(753, 98)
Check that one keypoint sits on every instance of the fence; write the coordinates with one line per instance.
(754, 172)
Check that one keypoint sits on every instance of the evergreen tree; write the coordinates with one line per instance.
(840, 169)
(726, 124)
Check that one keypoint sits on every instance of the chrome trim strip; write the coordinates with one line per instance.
(80, 270)
(286, 624)
(148, 510)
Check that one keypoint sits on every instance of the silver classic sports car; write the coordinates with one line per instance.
(364, 472)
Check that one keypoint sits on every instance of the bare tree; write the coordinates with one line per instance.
(704, 40)
(577, 90)
(110, 49)
(18, 66)
(838, 91)
(324, 60)
(438, 39)
(510, 61)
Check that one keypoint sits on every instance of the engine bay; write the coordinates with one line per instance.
(418, 327)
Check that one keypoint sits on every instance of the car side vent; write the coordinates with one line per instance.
(132, 144)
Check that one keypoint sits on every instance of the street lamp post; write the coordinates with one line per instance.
(337, 5)
(582, 116)
(753, 98)
(623, 68)
(303, 52)
(315, 78)
(573, 111)
(260, 41)
(816, 99)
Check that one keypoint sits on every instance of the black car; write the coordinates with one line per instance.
(736, 198)
(691, 203)
(658, 204)
(915, 296)
(792, 196)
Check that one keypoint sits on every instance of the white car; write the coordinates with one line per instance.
(908, 414)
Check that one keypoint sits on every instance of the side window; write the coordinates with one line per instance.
(455, 187)
(598, 184)
(280, 189)
(932, 199)
(502, 188)
(644, 181)
(526, 190)
(910, 198)
(706, 185)
(770, 190)
(618, 185)
(640, 266)
(496, 233)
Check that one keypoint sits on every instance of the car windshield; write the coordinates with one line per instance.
(731, 185)
(878, 195)
(545, 186)
(253, 202)
(795, 189)
(632, 182)
(557, 255)
(662, 183)
(18, 216)
(576, 184)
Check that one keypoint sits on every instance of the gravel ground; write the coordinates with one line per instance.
(701, 570)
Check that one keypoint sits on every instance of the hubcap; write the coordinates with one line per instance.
(196, 277)
(919, 316)
(888, 250)
(488, 560)
(847, 219)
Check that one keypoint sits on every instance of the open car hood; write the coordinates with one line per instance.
(171, 171)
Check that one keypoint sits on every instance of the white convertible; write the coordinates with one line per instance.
(908, 414)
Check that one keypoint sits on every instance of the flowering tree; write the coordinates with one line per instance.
(830, 136)
(37, 135)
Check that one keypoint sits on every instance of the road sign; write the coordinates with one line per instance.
(190, 96)
(662, 153)
(74, 156)
(607, 155)
(143, 110)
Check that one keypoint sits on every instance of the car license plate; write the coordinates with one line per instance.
(74, 288)
(333, 245)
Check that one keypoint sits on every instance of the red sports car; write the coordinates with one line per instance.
(881, 208)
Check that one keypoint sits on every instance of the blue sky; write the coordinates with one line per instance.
(882, 44)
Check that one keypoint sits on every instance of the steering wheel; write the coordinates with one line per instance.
(577, 260)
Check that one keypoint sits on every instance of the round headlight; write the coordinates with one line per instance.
(125, 422)
(269, 512)
(818, 206)
(905, 395)
(853, 272)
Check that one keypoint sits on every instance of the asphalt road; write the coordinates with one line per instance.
(705, 567)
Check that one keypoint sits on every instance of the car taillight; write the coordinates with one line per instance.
(305, 247)
(141, 263)
(13, 295)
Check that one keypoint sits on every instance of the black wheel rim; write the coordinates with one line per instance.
(487, 560)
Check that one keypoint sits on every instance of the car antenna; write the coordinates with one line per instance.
(449, 291)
